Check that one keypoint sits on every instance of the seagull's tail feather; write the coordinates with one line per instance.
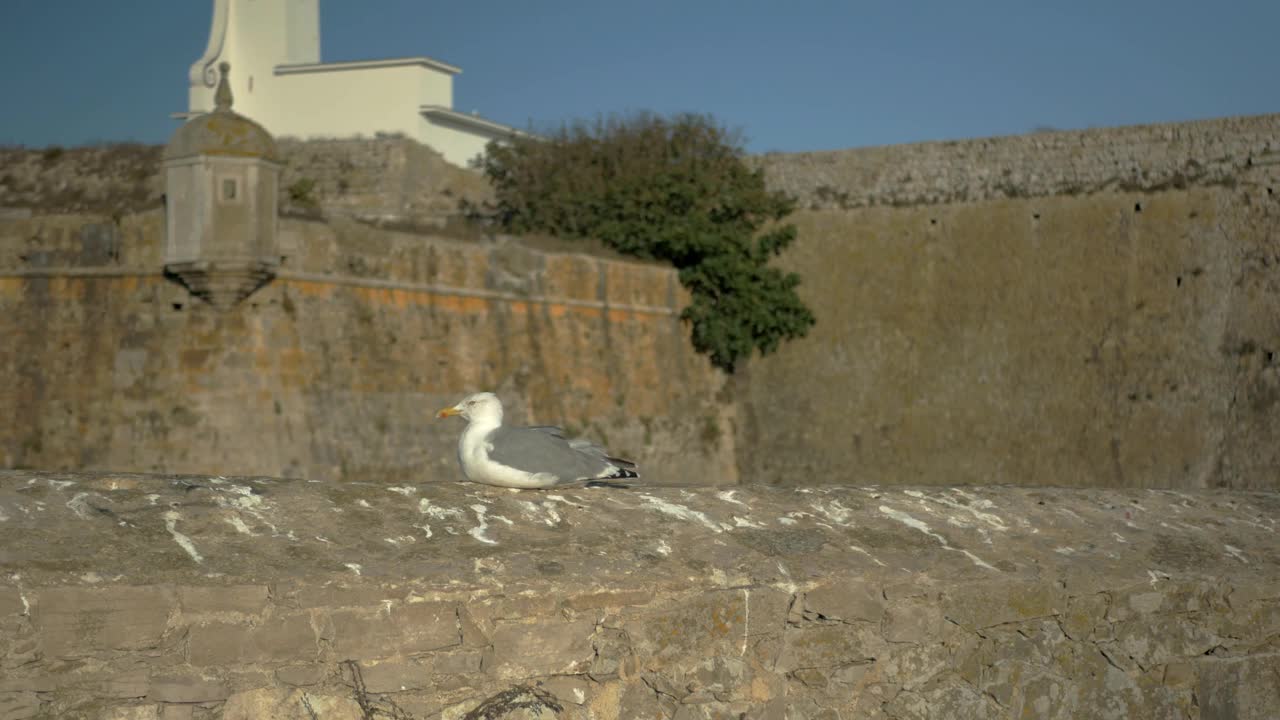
(623, 464)
(623, 470)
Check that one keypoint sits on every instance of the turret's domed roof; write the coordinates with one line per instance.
(221, 132)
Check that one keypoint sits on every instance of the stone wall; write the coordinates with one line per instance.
(1139, 158)
(1085, 308)
(335, 369)
(387, 178)
(145, 597)
(1097, 307)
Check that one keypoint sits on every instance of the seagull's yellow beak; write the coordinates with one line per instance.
(448, 412)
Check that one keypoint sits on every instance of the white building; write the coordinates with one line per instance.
(278, 80)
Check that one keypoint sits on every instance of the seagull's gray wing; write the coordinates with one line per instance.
(544, 449)
(582, 445)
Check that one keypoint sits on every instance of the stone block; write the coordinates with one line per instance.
(177, 711)
(775, 709)
(395, 676)
(283, 704)
(637, 701)
(186, 689)
(821, 645)
(486, 613)
(133, 712)
(301, 675)
(281, 638)
(910, 666)
(572, 689)
(18, 705)
(241, 599)
(406, 629)
(457, 662)
(23, 651)
(609, 599)
(43, 682)
(767, 610)
(306, 596)
(11, 602)
(1243, 593)
(1166, 597)
(133, 684)
(988, 605)
(721, 678)
(711, 711)
(1083, 615)
(1239, 688)
(77, 621)
(847, 600)
(613, 651)
(1160, 639)
(1179, 674)
(913, 621)
(707, 625)
(951, 699)
(549, 647)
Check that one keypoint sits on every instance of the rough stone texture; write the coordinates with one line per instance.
(386, 178)
(1108, 318)
(335, 369)
(1137, 158)
(469, 601)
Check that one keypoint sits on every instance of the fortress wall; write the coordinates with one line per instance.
(1137, 158)
(386, 178)
(1091, 308)
(1073, 308)
(334, 370)
(126, 597)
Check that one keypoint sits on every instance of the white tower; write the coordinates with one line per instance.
(255, 36)
(280, 82)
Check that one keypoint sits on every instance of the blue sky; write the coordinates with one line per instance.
(794, 76)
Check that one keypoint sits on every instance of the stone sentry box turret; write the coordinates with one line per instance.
(221, 171)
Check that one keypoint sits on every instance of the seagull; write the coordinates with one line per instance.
(527, 457)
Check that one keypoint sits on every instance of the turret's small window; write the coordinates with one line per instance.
(230, 191)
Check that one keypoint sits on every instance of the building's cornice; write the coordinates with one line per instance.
(425, 62)
(469, 121)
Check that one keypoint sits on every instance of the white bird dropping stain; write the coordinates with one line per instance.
(79, 505)
(436, 512)
(911, 522)
(728, 496)
(681, 512)
(478, 531)
(171, 519)
(353, 567)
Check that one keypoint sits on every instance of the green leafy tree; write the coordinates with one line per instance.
(673, 189)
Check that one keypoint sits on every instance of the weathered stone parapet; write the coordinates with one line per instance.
(1139, 158)
(130, 596)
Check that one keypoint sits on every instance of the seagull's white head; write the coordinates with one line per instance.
(483, 407)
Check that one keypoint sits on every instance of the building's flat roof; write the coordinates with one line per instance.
(425, 62)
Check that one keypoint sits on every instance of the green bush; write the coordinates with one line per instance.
(673, 189)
